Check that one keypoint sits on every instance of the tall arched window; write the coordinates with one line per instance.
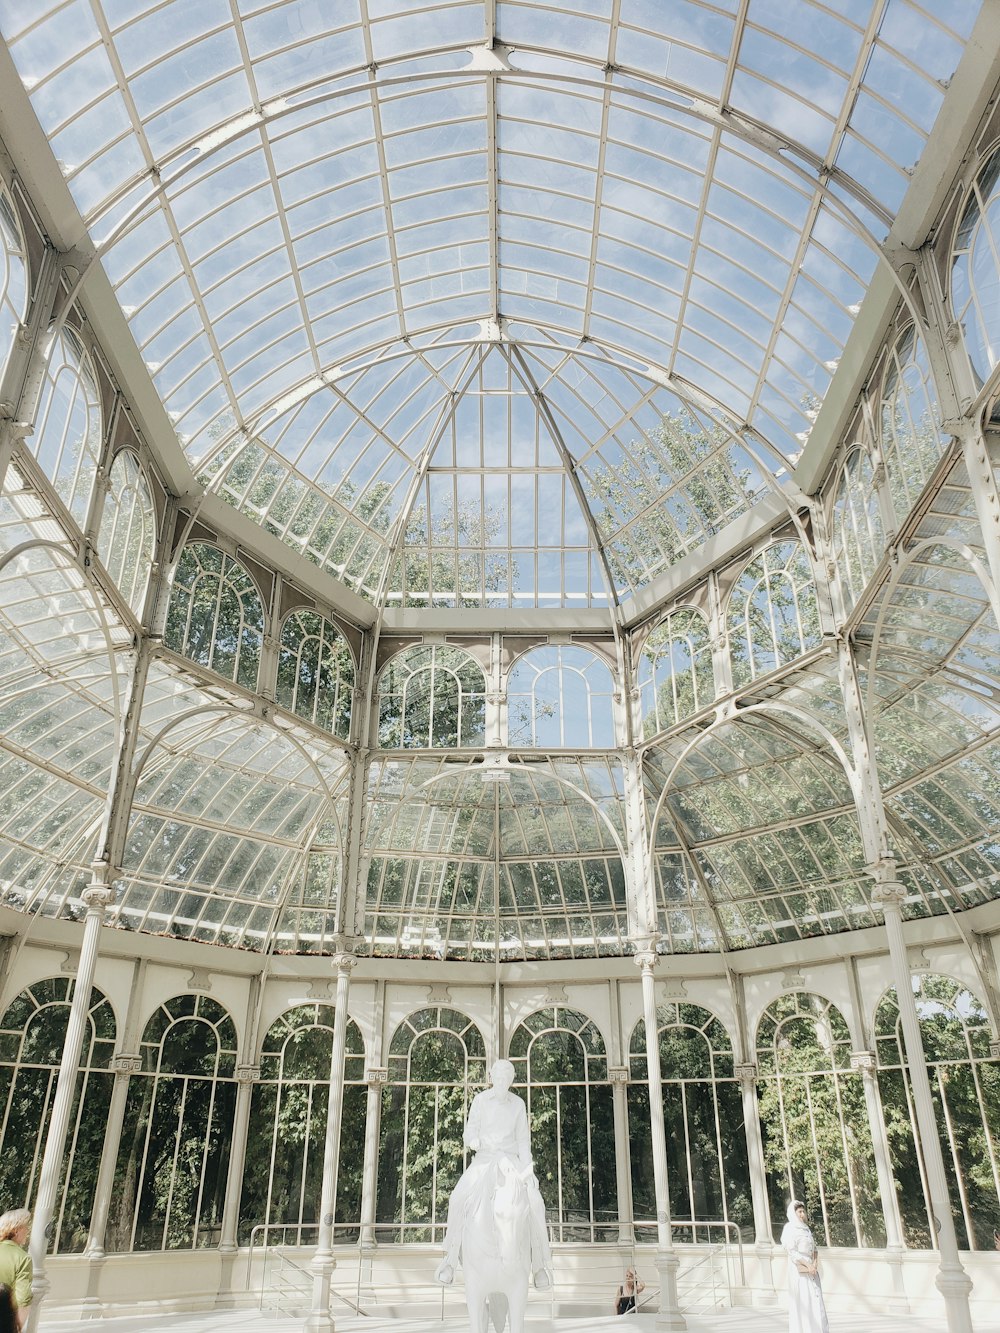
(965, 1083)
(675, 670)
(858, 536)
(215, 616)
(437, 1063)
(170, 1180)
(560, 697)
(559, 1057)
(430, 697)
(13, 277)
(316, 672)
(128, 529)
(773, 616)
(283, 1176)
(67, 436)
(814, 1122)
(703, 1113)
(32, 1033)
(975, 270)
(912, 439)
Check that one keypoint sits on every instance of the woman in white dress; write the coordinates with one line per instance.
(806, 1311)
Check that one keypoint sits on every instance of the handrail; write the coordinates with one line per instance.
(402, 1235)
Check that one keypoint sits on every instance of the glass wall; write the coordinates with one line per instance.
(814, 1122)
(283, 1176)
(708, 1174)
(437, 1063)
(170, 1179)
(560, 1061)
(32, 1032)
(965, 1083)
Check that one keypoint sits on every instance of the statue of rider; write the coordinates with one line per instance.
(497, 1133)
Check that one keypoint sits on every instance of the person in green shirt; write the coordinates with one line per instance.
(15, 1263)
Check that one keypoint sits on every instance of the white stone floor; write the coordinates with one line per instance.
(728, 1321)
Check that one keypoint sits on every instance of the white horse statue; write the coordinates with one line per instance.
(496, 1218)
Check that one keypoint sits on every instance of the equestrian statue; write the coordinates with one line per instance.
(496, 1218)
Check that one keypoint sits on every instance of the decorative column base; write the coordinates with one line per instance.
(765, 1293)
(669, 1314)
(319, 1319)
(898, 1302)
(367, 1250)
(954, 1284)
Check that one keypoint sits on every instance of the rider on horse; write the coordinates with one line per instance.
(497, 1132)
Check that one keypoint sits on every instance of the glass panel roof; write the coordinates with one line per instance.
(369, 250)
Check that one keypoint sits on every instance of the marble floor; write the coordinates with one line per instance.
(728, 1321)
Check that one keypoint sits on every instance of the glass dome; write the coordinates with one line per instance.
(492, 493)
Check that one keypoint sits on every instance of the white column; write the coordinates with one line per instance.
(952, 1280)
(865, 1062)
(124, 1065)
(669, 1315)
(618, 1077)
(323, 1263)
(246, 1077)
(376, 1076)
(97, 897)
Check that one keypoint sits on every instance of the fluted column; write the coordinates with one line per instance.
(865, 1063)
(669, 1315)
(124, 1065)
(746, 1075)
(952, 1280)
(618, 1077)
(97, 897)
(323, 1263)
(246, 1077)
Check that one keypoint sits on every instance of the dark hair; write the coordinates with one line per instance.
(8, 1317)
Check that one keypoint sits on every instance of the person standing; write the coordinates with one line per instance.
(628, 1291)
(806, 1310)
(15, 1264)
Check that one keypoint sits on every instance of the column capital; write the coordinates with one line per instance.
(864, 1062)
(617, 1073)
(123, 1062)
(745, 1073)
(995, 1049)
(248, 1073)
(98, 897)
(889, 889)
(645, 956)
(375, 1075)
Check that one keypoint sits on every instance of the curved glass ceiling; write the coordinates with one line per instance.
(384, 282)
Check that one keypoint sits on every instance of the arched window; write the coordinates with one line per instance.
(773, 617)
(32, 1033)
(703, 1113)
(215, 616)
(675, 670)
(814, 1122)
(559, 1057)
(128, 529)
(560, 697)
(283, 1176)
(316, 672)
(858, 536)
(13, 277)
(170, 1180)
(67, 436)
(432, 696)
(912, 439)
(975, 270)
(965, 1083)
(437, 1063)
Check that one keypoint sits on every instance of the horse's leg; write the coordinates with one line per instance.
(476, 1302)
(517, 1300)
